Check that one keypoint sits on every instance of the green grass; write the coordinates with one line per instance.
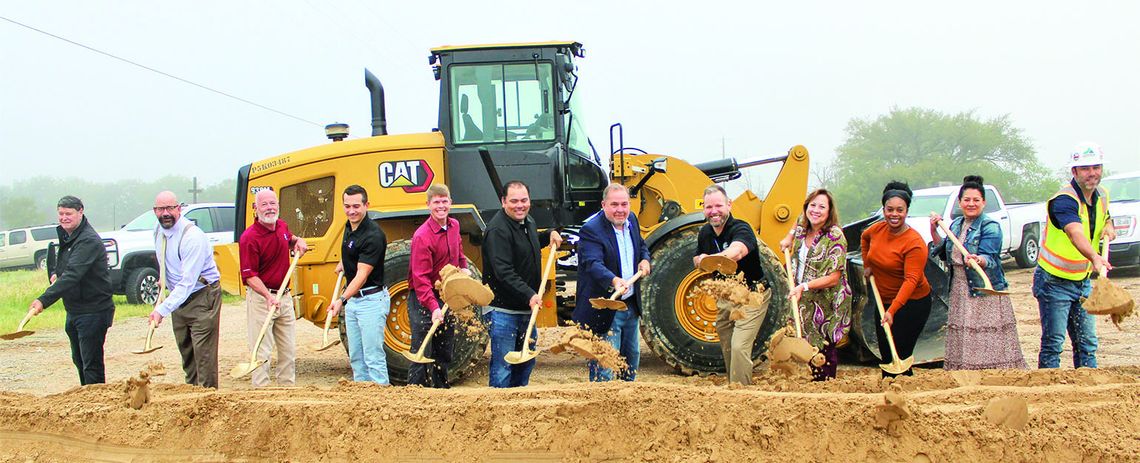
(19, 288)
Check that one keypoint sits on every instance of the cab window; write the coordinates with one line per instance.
(502, 103)
(43, 233)
(17, 237)
(307, 207)
(202, 218)
(3, 238)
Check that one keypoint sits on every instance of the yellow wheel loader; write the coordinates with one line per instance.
(511, 112)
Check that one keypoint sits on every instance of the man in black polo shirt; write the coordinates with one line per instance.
(512, 249)
(724, 235)
(362, 261)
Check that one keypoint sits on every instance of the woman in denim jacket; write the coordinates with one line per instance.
(981, 329)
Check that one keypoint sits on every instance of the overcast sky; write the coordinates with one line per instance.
(680, 77)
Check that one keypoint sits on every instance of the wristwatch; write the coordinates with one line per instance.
(343, 301)
(804, 286)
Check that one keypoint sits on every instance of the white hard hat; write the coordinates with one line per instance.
(1086, 154)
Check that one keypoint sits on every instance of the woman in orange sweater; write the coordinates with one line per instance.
(896, 255)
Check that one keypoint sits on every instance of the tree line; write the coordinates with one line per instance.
(108, 205)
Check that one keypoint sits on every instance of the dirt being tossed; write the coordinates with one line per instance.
(734, 291)
(1070, 417)
(585, 344)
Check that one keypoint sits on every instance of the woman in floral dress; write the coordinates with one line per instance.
(819, 263)
(981, 331)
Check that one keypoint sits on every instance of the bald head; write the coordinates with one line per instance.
(167, 209)
(266, 208)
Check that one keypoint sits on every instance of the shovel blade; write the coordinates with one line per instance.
(146, 351)
(607, 304)
(417, 358)
(320, 347)
(897, 367)
(244, 369)
(16, 335)
(992, 292)
(517, 357)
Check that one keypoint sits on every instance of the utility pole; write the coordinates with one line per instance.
(195, 190)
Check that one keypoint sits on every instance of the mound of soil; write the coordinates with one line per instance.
(1070, 415)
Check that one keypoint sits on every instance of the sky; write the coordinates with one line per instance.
(685, 79)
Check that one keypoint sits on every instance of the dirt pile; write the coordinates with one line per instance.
(785, 419)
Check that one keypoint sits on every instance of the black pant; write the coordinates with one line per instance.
(87, 333)
(906, 328)
(440, 348)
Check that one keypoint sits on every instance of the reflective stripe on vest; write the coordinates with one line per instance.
(1058, 256)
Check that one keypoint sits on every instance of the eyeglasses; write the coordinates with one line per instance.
(161, 209)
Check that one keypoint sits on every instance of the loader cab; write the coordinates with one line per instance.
(519, 103)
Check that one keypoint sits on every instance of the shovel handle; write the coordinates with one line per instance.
(1103, 271)
(631, 281)
(795, 301)
(336, 292)
(546, 269)
(962, 249)
(882, 315)
(24, 321)
(430, 333)
(150, 334)
(269, 314)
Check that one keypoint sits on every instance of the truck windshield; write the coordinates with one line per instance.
(922, 206)
(1122, 189)
(502, 103)
(145, 221)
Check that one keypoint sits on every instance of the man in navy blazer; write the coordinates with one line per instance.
(610, 253)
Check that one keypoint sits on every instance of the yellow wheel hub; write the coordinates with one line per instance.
(696, 311)
(397, 328)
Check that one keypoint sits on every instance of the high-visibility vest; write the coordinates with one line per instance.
(1058, 255)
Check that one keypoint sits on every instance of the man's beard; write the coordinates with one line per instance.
(267, 219)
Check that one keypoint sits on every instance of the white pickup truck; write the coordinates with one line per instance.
(1021, 224)
(1124, 206)
(130, 250)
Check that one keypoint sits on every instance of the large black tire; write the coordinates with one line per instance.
(142, 286)
(41, 261)
(397, 334)
(1026, 254)
(679, 324)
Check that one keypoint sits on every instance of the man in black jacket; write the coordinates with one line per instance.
(512, 250)
(81, 279)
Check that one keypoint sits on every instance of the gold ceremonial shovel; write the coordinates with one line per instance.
(989, 289)
(524, 355)
(611, 303)
(20, 331)
(244, 368)
(326, 343)
(896, 367)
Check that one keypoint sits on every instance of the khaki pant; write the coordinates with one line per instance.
(195, 326)
(279, 336)
(738, 336)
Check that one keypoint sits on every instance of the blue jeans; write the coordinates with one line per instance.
(1059, 302)
(625, 336)
(506, 336)
(364, 319)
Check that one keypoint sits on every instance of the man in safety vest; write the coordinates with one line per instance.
(1070, 250)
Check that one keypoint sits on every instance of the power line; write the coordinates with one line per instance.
(148, 68)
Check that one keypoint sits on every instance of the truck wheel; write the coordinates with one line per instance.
(142, 286)
(679, 323)
(1026, 255)
(397, 331)
(41, 261)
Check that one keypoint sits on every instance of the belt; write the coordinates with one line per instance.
(369, 291)
(274, 291)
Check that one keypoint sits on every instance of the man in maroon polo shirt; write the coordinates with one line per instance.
(434, 244)
(264, 251)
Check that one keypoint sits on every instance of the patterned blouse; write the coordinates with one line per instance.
(825, 313)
